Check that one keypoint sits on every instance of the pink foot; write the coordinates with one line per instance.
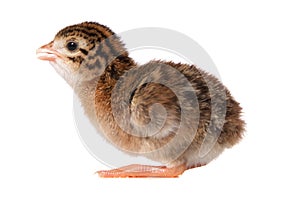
(136, 170)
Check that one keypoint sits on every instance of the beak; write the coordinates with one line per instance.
(46, 52)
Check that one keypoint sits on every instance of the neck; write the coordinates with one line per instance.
(86, 89)
(117, 68)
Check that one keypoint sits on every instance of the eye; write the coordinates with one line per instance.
(72, 46)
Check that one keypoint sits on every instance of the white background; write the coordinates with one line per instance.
(254, 44)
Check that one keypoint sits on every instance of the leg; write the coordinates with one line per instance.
(136, 170)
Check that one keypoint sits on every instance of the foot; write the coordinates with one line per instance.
(136, 170)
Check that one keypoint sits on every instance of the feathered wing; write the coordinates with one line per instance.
(155, 110)
(145, 103)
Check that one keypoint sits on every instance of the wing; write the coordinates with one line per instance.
(155, 110)
(144, 101)
(152, 100)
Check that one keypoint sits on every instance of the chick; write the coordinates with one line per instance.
(173, 113)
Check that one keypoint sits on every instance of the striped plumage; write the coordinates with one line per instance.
(124, 101)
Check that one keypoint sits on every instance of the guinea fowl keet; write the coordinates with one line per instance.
(173, 113)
